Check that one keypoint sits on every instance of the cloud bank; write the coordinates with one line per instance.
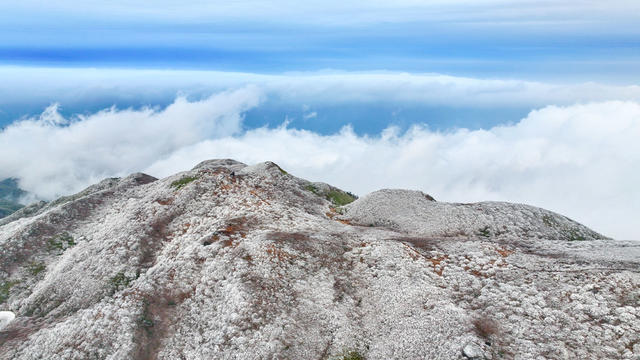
(52, 155)
(26, 85)
(580, 160)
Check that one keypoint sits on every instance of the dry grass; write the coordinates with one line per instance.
(437, 268)
(165, 201)
(235, 226)
(279, 254)
(421, 243)
(504, 252)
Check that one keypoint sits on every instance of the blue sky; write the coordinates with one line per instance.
(568, 42)
(575, 40)
(482, 100)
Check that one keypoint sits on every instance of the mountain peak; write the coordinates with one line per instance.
(234, 261)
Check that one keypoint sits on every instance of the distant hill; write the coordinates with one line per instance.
(9, 195)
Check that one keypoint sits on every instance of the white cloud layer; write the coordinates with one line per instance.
(53, 156)
(66, 85)
(580, 160)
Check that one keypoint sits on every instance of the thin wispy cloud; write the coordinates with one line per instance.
(21, 84)
(340, 12)
(311, 115)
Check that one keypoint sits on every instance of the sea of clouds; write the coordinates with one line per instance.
(579, 159)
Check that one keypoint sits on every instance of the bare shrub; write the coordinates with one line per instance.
(485, 327)
(422, 243)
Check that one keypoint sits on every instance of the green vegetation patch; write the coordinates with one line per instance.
(61, 242)
(312, 188)
(36, 267)
(145, 320)
(574, 235)
(549, 221)
(182, 182)
(337, 197)
(5, 289)
(340, 198)
(351, 355)
(484, 231)
(282, 170)
(120, 281)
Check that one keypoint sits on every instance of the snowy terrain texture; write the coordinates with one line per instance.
(229, 261)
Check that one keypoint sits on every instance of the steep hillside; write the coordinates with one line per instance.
(229, 261)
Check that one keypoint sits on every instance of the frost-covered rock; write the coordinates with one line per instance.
(5, 318)
(472, 351)
(249, 262)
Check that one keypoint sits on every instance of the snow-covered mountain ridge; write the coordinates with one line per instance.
(229, 261)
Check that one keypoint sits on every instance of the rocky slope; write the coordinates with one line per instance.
(229, 261)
